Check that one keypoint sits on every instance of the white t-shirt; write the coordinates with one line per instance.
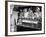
(26, 14)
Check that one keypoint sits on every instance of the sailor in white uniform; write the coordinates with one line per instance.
(25, 13)
(38, 13)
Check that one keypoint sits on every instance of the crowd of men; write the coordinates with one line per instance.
(30, 14)
(37, 15)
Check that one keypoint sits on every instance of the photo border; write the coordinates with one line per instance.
(6, 18)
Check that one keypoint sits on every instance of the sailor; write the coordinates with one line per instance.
(30, 15)
(38, 16)
(25, 13)
(38, 13)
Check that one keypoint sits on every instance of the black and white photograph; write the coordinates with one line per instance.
(25, 18)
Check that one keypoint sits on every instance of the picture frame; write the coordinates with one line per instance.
(22, 4)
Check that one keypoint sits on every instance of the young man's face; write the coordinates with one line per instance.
(29, 10)
(38, 9)
(25, 10)
(21, 10)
